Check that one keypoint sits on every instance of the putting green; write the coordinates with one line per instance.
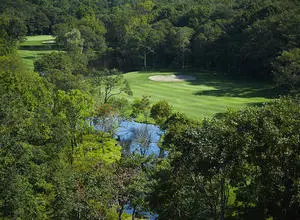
(38, 40)
(35, 46)
(204, 97)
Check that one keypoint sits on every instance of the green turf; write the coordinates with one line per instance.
(29, 56)
(37, 40)
(210, 94)
(33, 47)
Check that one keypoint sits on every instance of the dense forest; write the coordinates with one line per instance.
(59, 155)
(240, 37)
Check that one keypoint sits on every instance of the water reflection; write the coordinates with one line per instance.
(134, 137)
(140, 138)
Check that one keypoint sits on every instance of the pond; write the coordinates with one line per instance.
(139, 137)
(135, 137)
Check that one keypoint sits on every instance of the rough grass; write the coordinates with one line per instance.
(33, 47)
(209, 94)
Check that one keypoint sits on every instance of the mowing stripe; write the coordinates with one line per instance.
(183, 95)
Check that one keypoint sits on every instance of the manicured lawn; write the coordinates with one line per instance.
(35, 46)
(29, 56)
(210, 94)
(37, 40)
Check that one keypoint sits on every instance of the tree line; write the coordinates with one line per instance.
(257, 39)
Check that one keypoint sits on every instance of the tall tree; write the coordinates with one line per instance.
(287, 68)
(110, 83)
(74, 107)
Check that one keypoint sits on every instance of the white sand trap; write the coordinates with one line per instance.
(49, 42)
(172, 78)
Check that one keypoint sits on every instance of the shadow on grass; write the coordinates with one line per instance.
(256, 104)
(29, 57)
(242, 92)
(32, 57)
(227, 86)
(221, 115)
(40, 47)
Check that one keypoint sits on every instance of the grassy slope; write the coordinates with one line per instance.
(29, 55)
(208, 95)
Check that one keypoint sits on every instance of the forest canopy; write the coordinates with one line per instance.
(240, 37)
(60, 155)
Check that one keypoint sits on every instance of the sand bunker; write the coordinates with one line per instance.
(49, 42)
(172, 78)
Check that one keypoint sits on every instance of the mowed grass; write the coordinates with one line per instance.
(29, 56)
(34, 47)
(210, 94)
(205, 97)
(37, 40)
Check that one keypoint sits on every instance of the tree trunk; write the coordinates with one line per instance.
(105, 97)
(145, 60)
(133, 214)
(121, 212)
(73, 145)
(183, 61)
(223, 199)
(71, 155)
(161, 153)
(102, 141)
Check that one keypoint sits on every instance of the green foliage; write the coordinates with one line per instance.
(181, 38)
(57, 68)
(73, 42)
(141, 106)
(251, 153)
(241, 165)
(11, 63)
(39, 23)
(91, 153)
(53, 61)
(132, 183)
(75, 104)
(24, 127)
(85, 35)
(92, 30)
(53, 165)
(25, 109)
(12, 30)
(287, 68)
(242, 38)
(160, 112)
(110, 83)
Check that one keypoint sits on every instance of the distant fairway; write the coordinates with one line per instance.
(38, 40)
(35, 46)
(207, 95)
